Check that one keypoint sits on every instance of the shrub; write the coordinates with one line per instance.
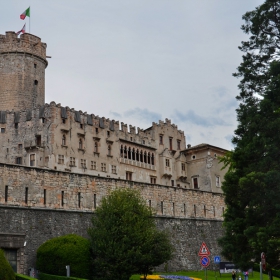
(56, 253)
(6, 271)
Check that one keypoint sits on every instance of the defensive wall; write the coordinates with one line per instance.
(36, 205)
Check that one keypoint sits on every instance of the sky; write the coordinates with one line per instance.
(141, 61)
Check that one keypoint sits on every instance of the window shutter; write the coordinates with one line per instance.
(28, 115)
(64, 113)
(2, 116)
(112, 127)
(42, 112)
(101, 123)
(77, 116)
(16, 117)
(89, 120)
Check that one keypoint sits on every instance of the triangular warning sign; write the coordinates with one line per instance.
(203, 251)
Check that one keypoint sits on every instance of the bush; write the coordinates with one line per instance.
(6, 271)
(44, 276)
(56, 253)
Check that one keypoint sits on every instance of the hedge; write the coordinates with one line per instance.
(23, 277)
(6, 271)
(44, 276)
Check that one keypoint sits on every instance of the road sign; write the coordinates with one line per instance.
(263, 261)
(204, 261)
(217, 259)
(203, 251)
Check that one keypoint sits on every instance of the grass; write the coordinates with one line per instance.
(211, 275)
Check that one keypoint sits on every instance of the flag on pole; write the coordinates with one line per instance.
(25, 14)
(22, 30)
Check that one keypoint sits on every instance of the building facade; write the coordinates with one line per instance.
(54, 158)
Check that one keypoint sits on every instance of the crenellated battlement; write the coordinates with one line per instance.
(27, 43)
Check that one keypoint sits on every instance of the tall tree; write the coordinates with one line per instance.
(252, 184)
(124, 237)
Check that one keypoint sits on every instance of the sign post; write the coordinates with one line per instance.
(204, 260)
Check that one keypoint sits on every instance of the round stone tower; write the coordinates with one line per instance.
(22, 71)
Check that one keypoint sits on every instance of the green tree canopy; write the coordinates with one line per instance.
(56, 253)
(252, 184)
(124, 237)
(6, 271)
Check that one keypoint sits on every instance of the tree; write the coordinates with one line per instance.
(71, 249)
(252, 184)
(6, 271)
(124, 237)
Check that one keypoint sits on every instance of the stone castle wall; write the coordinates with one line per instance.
(35, 226)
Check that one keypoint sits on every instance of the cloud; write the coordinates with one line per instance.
(115, 114)
(143, 115)
(191, 117)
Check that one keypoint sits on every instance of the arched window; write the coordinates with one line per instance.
(95, 147)
(149, 158)
(121, 150)
(141, 156)
(109, 150)
(133, 154)
(129, 153)
(80, 143)
(125, 152)
(63, 140)
(137, 155)
(153, 159)
(145, 157)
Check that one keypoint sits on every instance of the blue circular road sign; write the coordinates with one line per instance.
(204, 261)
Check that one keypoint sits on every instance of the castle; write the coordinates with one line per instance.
(58, 162)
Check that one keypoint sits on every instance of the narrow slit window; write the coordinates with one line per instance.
(6, 193)
(62, 198)
(35, 82)
(26, 195)
(94, 201)
(45, 196)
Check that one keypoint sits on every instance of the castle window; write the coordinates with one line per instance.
(79, 199)
(149, 158)
(137, 155)
(184, 209)
(114, 169)
(80, 143)
(72, 161)
(62, 198)
(83, 163)
(96, 130)
(18, 160)
(121, 151)
(60, 159)
(129, 153)
(141, 156)
(35, 82)
(32, 160)
(6, 193)
(26, 195)
(173, 208)
(63, 120)
(103, 167)
(125, 152)
(16, 125)
(128, 175)
(93, 165)
(3, 129)
(172, 183)
(35, 65)
(150, 204)
(194, 210)
(95, 147)
(193, 157)
(133, 154)
(145, 157)
(178, 145)
(42, 120)
(217, 181)
(38, 140)
(45, 196)
(94, 201)
(195, 182)
(204, 210)
(161, 206)
(143, 142)
(167, 163)
(63, 142)
(161, 139)
(183, 167)
(170, 144)
(153, 180)
(81, 126)
(153, 159)
(108, 133)
(19, 146)
(214, 212)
